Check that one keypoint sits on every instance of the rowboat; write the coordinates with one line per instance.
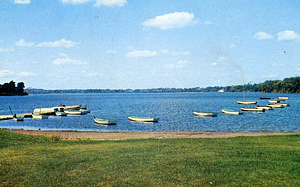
(104, 121)
(285, 104)
(143, 119)
(247, 102)
(264, 107)
(73, 112)
(283, 98)
(274, 101)
(275, 105)
(60, 113)
(84, 111)
(35, 116)
(205, 114)
(252, 109)
(18, 118)
(225, 111)
(45, 111)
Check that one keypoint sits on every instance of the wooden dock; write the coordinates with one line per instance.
(6, 117)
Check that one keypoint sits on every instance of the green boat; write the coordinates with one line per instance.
(104, 121)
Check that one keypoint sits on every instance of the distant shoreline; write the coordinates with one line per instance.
(95, 135)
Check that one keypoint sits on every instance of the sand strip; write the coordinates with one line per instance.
(93, 135)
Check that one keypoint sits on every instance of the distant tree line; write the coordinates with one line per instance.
(11, 88)
(288, 85)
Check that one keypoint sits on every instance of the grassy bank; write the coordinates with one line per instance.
(245, 161)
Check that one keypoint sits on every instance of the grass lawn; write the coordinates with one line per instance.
(244, 161)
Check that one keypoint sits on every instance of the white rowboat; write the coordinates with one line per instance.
(143, 119)
(206, 114)
(225, 111)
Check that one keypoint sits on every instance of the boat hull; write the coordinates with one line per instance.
(224, 111)
(143, 119)
(206, 114)
(39, 117)
(252, 110)
(73, 112)
(247, 102)
(264, 107)
(105, 121)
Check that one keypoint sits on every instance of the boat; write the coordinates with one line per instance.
(45, 111)
(274, 101)
(104, 121)
(18, 118)
(205, 114)
(37, 116)
(73, 112)
(246, 102)
(75, 107)
(252, 109)
(275, 105)
(285, 104)
(143, 119)
(60, 113)
(262, 93)
(225, 111)
(264, 107)
(84, 111)
(283, 98)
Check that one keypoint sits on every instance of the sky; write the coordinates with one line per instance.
(134, 44)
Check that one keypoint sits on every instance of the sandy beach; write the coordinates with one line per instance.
(93, 135)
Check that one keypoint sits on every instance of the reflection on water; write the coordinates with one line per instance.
(174, 110)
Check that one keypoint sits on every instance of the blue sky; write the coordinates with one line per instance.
(68, 44)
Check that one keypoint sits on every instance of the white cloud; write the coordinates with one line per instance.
(178, 65)
(63, 60)
(22, 43)
(26, 74)
(4, 73)
(59, 43)
(6, 50)
(109, 3)
(288, 35)
(170, 21)
(110, 51)
(232, 45)
(22, 2)
(262, 36)
(143, 53)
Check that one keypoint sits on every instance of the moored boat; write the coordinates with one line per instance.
(226, 111)
(37, 116)
(18, 118)
(247, 102)
(252, 109)
(73, 112)
(264, 107)
(60, 113)
(84, 111)
(275, 105)
(143, 119)
(274, 101)
(283, 98)
(104, 121)
(45, 111)
(205, 114)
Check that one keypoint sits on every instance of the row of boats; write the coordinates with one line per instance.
(275, 103)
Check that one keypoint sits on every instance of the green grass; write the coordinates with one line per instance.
(244, 161)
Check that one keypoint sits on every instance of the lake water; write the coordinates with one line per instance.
(175, 111)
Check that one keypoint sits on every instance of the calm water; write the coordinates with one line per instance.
(173, 109)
